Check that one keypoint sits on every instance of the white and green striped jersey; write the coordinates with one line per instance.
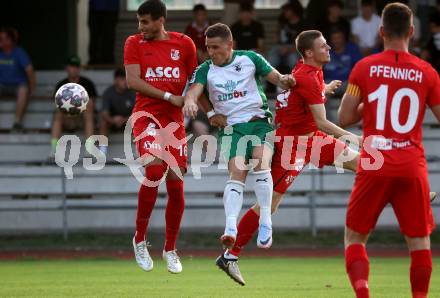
(235, 88)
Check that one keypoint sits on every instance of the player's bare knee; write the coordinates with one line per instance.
(238, 175)
(352, 164)
(256, 208)
(237, 169)
(348, 159)
(353, 237)
(276, 200)
(418, 243)
(172, 175)
(263, 156)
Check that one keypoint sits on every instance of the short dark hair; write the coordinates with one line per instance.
(219, 30)
(155, 8)
(119, 73)
(246, 6)
(396, 20)
(304, 41)
(199, 7)
(12, 33)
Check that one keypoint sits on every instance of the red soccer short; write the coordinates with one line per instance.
(161, 138)
(409, 197)
(319, 149)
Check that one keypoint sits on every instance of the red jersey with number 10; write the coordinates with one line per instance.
(395, 88)
(166, 65)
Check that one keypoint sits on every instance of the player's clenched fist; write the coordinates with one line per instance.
(218, 120)
(288, 81)
(332, 86)
(190, 109)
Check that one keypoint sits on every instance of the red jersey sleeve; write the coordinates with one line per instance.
(131, 52)
(191, 56)
(433, 98)
(312, 90)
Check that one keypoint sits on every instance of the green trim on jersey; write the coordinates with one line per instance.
(200, 74)
(263, 68)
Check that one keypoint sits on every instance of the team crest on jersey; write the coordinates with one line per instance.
(175, 54)
(237, 67)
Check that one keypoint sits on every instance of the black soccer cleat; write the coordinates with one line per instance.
(230, 267)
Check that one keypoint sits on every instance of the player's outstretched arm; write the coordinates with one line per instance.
(285, 82)
(349, 111)
(135, 82)
(190, 107)
(319, 115)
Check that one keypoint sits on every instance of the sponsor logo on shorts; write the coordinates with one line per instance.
(150, 145)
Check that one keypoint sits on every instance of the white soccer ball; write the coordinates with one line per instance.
(71, 98)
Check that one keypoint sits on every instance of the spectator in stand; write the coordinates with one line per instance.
(334, 19)
(283, 55)
(247, 32)
(314, 12)
(17, 77)
(424, 11)
(103, 17)
(117, 104)
(85, 120)
(343, 56)
(196, 30)
(431, 52)
(365, 28)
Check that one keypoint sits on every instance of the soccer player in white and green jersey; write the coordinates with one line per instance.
(238, 105)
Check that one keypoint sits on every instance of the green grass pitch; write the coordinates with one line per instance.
(265, 277)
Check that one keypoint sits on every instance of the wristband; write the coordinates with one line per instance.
(210, 114)
(167, 96)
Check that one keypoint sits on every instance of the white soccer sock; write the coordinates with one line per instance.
(263, 190)
(232, 200)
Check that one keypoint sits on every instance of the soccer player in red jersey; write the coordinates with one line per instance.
(158, 64)
(304, 136)
(391, 89)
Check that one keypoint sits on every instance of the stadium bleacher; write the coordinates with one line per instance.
(31, 191)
